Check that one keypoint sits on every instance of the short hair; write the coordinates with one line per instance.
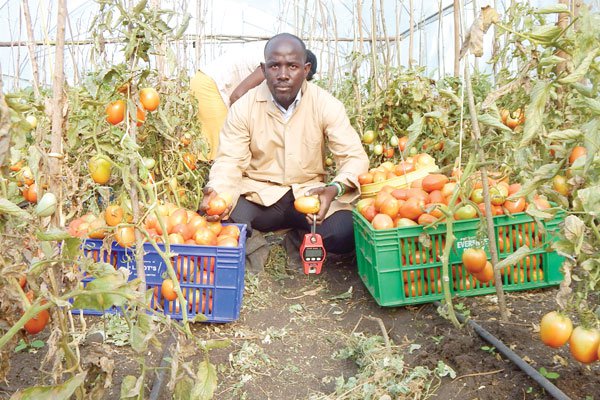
(288, 36)
(312, 59)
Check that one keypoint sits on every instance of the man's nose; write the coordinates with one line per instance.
(283, 73)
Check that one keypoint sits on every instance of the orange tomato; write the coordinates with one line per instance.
(474, 260)
(382, 221)
(434, 182)
(515, 206)
(584, 344)
(125, 236)
(306, 204)
(190, 160)
(555, 329)
(167, 290)
(578, 151)
(140, 117)
(205, 237)
(411, 209)
(230, 230)
(38, 323)
(149, 98)
(113, 215)
(115, 112)
(366, 178)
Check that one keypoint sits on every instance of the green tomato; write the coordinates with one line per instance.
(377, 149)
(394, 141)
(368, 137)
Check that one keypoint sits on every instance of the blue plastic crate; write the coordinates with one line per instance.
(211, 277)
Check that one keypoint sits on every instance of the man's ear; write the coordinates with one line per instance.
(263, 67)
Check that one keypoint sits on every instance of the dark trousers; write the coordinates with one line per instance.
(337, 230)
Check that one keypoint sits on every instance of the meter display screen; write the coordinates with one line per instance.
(313, 252)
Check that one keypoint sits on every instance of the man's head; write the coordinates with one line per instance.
(285, 67)
(312, 59)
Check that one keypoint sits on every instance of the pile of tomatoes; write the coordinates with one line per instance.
(388, 170)
(426, 201)
(556, 329)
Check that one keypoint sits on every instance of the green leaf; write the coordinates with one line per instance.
(131, 387)
(199, 318)
(415, 129)
(114, 282)
(566, 134)
(183, 27)
(539, 177)
(551, 60)
(37, 344)
(143, 332)
(494, 122)
(139, 7)
(21, 346)
(206, 382)
(183, 388)
(7, 207)
(63, 391)
(590, 199)
(217, 344)
(545, 34)
(514, 258)
(71, 248)
(53, 234)
(552, 9)
(581, 69)
(535, 112)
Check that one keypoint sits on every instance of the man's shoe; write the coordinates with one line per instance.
(257, 252)
(291, 244)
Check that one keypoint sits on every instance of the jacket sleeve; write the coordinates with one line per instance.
(233, 155)
(345, 145)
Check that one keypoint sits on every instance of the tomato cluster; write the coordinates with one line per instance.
(556, 329)
(116, 110)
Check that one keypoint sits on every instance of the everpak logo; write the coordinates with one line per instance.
(471, 241)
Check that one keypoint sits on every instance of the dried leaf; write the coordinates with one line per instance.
(63, 391)
(574, 228)
(131, 387)
(474, 38)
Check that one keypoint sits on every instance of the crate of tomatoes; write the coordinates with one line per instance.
(401, 234)
(208, 259)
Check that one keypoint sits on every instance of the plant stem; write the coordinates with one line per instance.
(486, 196)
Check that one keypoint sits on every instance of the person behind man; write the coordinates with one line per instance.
(272, 150)
(221, 83)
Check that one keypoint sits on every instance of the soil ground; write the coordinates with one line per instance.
(292, 325)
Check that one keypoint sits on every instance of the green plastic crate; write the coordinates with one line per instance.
(398, 269)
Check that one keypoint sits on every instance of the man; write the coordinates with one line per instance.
(221, 83)
(272, 150)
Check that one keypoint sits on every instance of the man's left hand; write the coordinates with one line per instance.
(326, 196)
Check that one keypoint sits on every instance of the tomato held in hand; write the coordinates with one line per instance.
(307, 204)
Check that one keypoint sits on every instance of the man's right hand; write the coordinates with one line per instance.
(210, 194)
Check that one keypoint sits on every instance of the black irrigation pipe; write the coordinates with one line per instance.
(157, 386)
(512, 356)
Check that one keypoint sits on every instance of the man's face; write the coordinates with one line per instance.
(285, 69)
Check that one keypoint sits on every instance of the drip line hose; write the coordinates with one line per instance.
(512, 356)
(158, 385)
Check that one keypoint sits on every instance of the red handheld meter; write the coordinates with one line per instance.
(312, 251)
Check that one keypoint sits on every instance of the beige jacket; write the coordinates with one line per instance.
(261, 157)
